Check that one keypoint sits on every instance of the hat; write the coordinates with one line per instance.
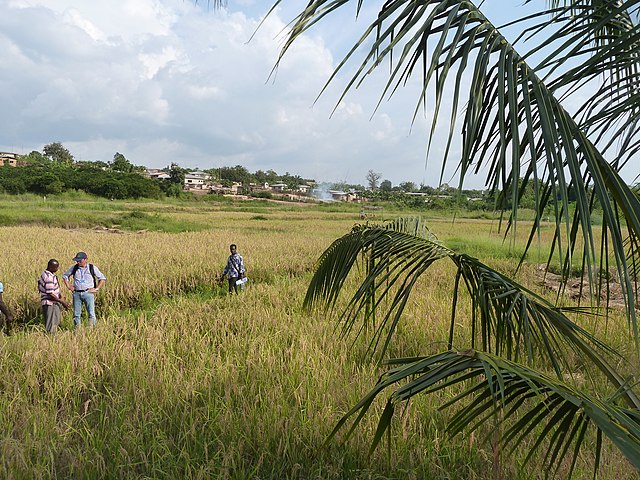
(79, 256)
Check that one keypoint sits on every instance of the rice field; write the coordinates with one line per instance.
(181, 380)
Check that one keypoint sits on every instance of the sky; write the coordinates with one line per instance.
(164, 81)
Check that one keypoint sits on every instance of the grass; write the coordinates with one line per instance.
(180, 380)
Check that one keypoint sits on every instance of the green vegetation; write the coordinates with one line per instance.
(53, 178)
(179, 380)
(540, 115)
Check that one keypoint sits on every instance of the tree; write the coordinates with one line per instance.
(174, 185)
(372, 180)
(407, 186)
(176, 174)
(386, 186)
(56, 152)
(121, 164)
(516, 126)
(34, 158)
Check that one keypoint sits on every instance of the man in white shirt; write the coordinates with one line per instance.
(87, 280)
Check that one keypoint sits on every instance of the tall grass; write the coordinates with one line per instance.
(180, 380)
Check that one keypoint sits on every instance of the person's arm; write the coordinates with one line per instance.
(101, 280)
(65, 279)
(60, 300)
(226, 270)
(5, 310)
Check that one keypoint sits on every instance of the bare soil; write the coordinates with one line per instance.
(578, 289)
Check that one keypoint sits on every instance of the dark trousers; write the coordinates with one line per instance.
(5, 325)
(232, 285)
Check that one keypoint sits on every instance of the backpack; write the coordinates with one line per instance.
(91, 270)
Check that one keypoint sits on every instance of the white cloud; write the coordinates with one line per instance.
(167, 80)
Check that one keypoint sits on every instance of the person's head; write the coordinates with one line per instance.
(53, 265)
(81, 259)
(233, 248)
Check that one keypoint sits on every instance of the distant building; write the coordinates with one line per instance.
(8, 158)
(157, 173)
(236, 188)
(197, 181)
(279, 187)
(340, 196)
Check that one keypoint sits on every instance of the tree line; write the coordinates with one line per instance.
(55, 170)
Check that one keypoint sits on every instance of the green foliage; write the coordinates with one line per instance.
(235, 174)
(228, 175)
(56, 152)
(121, 164)
(516, 124)
(34, 158)
(407, 186)
(138, 220)
(266, 195)
(53, 178)
(176, 174)
(514, 326)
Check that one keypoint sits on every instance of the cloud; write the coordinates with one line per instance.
(165, 80)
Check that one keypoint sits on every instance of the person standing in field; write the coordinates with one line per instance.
(5, 323)
(87, 280)
(234, 270)
(50, 296)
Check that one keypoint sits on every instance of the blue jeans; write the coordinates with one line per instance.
(89, 302)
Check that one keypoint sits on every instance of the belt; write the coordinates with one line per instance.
(79, 291)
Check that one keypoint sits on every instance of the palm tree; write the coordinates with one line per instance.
(516, 127)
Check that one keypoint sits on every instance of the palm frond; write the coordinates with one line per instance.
(503, 394)
(512, 321)
(396, 255)
(507, 318)
(514, 126)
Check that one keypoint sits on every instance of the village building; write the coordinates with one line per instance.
(157, 173)
(198, 181)
(279, 187)
(8, 158)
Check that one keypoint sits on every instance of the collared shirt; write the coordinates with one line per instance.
(48, 285)
(235, 266)
(82, 279)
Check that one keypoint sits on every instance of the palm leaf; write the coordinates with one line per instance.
(513, 121)
(507, 319)
(510, 396)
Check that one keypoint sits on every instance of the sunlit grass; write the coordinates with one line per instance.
(179, 380)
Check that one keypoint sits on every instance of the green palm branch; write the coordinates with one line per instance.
(514, 124)
(509, 99)
(507, 319)
(509, 397)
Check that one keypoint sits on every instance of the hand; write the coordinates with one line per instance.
(93, 290)
(65, 305)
